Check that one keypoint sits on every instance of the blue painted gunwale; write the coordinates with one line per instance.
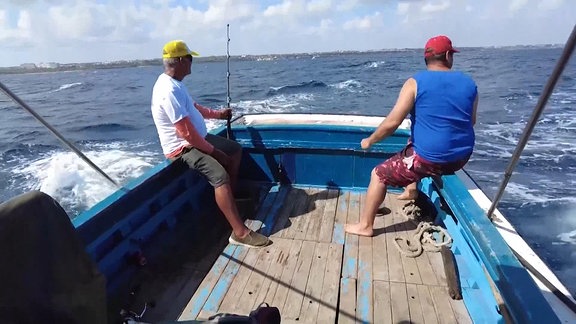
(315, 155)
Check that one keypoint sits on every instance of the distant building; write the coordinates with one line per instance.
(28, 66)
(48, 65)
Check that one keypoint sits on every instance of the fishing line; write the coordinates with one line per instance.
(228, 99)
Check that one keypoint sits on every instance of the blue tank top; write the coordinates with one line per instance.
(442, 129)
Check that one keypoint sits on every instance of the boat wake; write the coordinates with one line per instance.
(75, 185)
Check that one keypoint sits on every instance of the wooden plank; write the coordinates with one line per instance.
(460, 311)
(395, 267)
(316, 216)
(442, 305)
(327, 309)
(221, 288)
(328, 216)
(379, 249)
(399, 298)
(197, 301)
(234, 293)
(435, 260)
(281, 292)
(282, 220)
(279, 262)
(347, 307)
(364, 301)
(248, 298)
(295, 218)
(267, 203)
(380, 269)
(382, 302)
(302, 221)
(280, 203)
(411, 271)
(426, 270)
(416, 315)
(341, 217)
(313, 296)
(350, 264)
(427, 305)
(299, 280)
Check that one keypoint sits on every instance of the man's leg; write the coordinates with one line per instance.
(233, 150)
(226, 203)
(410, 192)
(374, 197)
(219, 179)
(234, 167)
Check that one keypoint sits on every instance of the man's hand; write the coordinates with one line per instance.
(226, 113)
(221, 157)
(366, 143)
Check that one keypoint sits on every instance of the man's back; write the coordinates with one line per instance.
(442, 118)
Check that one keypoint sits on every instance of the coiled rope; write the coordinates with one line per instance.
(421, 211)
(422, 240)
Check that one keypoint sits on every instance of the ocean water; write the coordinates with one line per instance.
(106, 113)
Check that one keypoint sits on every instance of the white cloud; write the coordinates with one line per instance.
(435, 7)
(319, 6)
(550, 4)
(364, 23)
(516, 5)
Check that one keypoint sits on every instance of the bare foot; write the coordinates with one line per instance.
(408, 195)
(358, 229)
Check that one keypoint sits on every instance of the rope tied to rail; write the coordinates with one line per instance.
(423, 239)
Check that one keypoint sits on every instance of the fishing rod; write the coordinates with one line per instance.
(25, 106)
(228, 99)
(562, 62)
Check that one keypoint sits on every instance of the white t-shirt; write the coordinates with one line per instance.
(170, 103)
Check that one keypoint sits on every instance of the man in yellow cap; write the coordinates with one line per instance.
(183, 135)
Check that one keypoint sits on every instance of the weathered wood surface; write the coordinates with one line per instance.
(316, 273)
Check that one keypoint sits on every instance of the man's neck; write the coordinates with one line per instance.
(172, 73)
(437, 67)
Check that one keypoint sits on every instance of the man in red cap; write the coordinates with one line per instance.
(442, 106)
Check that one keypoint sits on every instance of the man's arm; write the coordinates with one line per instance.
(186, 130)
(213, 113)
(402, 108)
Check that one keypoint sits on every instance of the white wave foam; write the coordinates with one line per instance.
(529, 196)
(568, 237)
(350, 85)
(567, 221)
(69, 180)
(276, 104)
(67, 86)
(373, 65)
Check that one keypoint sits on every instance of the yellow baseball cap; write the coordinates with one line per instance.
(177, 48)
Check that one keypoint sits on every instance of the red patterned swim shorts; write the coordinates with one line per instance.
(407, 167)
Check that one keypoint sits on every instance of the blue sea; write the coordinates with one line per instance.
(106, 113)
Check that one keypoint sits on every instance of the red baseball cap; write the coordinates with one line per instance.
(438, 45)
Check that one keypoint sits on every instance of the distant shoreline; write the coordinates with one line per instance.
(63, 67)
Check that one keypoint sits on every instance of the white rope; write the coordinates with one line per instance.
(423, 240)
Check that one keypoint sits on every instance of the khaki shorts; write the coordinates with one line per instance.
(407, 167)
(214, 172)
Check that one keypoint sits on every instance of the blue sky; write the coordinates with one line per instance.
(68, 31)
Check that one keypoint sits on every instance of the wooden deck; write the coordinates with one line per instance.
(315, 273)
